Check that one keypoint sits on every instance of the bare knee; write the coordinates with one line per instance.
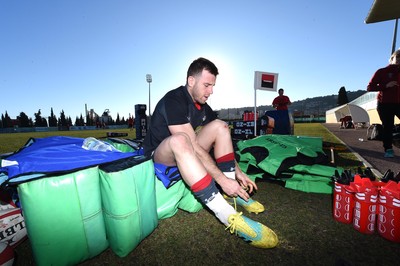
(180, 141)
(223, 126)
(216, 128)
(176, 145)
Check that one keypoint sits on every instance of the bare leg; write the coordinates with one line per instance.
(216, 134)
(177, 150)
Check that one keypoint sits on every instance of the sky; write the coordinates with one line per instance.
(69, 55)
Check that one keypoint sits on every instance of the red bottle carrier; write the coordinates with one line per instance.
(369, 205)
(389, 212)
(343, 204)
(364, 217)
(365, 204)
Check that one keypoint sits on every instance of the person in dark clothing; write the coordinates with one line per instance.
(345, 122)
(386, 81)
(182, 132)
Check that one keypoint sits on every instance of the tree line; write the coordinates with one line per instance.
(52, 121)
(63, 121)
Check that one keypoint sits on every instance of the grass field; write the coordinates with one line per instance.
(14, 141)
(303, 222)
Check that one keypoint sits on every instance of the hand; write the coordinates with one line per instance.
(245, 181)
(233, 189)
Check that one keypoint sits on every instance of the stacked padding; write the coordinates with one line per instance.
(79, 208)
(64, 217)
(129, 203)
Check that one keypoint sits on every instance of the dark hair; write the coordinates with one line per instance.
(197, 66)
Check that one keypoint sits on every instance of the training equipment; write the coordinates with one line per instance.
(12, 224)
(299, 161)
(343, 203)
(365, 210)
(6, 255)
(107, 203)
(111, 198)
(255, 233)
(388, 223)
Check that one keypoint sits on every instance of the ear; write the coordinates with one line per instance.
(191, 80)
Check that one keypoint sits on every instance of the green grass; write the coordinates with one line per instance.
(307, 232)
(14, 141)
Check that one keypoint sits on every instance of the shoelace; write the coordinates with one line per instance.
(232, 224)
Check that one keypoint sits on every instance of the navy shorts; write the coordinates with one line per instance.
(168, 175)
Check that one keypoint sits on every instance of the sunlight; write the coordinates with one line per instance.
(230, 83)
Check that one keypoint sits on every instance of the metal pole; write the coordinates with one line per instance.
(255, 112)
(394, 36)
(149, 79)
(149, 102)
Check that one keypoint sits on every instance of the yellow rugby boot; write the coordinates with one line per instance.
(255, 233)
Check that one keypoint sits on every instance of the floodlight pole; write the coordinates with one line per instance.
(149, 80)
(394, 36)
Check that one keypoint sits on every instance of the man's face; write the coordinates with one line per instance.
(396, 59)
(201, 86)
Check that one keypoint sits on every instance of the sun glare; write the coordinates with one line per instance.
(228, 84)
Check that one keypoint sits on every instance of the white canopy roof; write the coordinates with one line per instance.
(358, 114)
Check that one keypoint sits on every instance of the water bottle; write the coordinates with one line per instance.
(93, 144)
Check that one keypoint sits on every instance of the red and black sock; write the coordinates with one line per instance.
(205, 189)
(226, 163)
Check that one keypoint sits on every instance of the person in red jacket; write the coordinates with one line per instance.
(281, 102)
(386, 81)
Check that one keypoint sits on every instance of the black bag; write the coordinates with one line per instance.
(376, 131)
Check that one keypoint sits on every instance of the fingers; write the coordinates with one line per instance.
(243, 194)
(250, 187)
(245, 181)
(254, 186)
